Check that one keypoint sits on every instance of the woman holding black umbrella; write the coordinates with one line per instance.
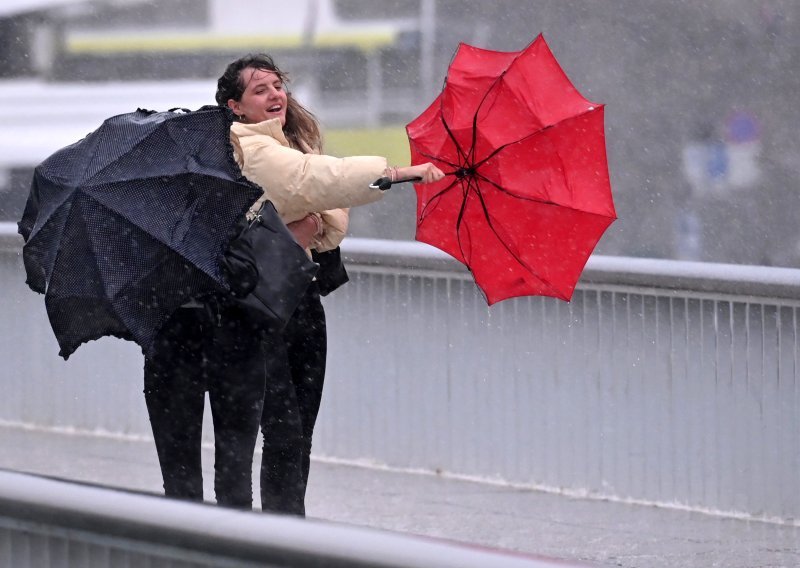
(277, 144)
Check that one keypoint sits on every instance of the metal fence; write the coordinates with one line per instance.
(663, 382)
(660, 382)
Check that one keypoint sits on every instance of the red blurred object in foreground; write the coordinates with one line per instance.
(528, 196)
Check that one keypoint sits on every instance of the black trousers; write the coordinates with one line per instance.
(201, 351)
(295, 375)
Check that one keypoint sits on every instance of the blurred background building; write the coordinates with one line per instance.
(701, 117)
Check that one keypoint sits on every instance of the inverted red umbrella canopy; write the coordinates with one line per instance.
(528, 195)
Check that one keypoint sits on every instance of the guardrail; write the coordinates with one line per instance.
(662, 382)
(50, 522)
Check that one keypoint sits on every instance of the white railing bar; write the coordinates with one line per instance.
(231, 534)
(718, 278)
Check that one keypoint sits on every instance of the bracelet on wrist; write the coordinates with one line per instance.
(392, 173)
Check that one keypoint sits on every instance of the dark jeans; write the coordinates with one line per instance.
(197, 352)
(295, 375)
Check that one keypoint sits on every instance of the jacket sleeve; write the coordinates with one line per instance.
(299, 183)
(334, 229)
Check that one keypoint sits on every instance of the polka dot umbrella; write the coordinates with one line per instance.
(131, 222)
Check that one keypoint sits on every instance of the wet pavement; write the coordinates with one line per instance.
(605, 533)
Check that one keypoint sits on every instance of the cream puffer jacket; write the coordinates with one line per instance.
(300, 183)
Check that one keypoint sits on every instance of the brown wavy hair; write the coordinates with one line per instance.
(301, 128)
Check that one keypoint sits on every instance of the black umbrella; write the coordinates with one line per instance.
(131, 222)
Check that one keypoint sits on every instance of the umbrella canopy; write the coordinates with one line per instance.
(131, 222)
(528, 196)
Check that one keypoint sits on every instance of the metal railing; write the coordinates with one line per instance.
(50, 522)
(664, 382)
(673, 383)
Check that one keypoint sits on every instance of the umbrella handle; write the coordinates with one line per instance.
(385, 183)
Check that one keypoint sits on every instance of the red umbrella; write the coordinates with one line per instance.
(528, 196)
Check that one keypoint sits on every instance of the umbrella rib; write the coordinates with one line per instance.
(507, 144)
(462, 155)
(480, 105)
(523, 197)
(536, 200)
(471, 157)
(511, 64)
(514, 255)
(532, 134)
(436, 197)
(468, 157)
(458, 224)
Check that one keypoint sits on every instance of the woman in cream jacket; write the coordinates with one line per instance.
(277, 144)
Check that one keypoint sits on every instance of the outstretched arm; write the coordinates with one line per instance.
(424, 173)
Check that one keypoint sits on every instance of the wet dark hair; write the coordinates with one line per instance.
(301, 128)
